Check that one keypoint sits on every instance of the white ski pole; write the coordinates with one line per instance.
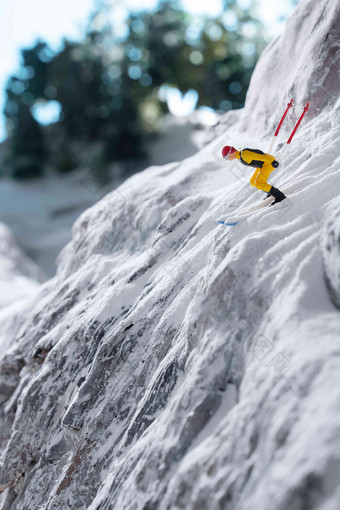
(279, 126)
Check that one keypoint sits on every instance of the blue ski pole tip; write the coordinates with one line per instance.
(221, 222)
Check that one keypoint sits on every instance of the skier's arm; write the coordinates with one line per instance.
(249, 156)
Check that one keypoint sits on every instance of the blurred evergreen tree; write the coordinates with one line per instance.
(27, 146)
(108, 86)
(26, 149)
(214, 56)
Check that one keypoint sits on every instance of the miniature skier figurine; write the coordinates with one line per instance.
(264, 164)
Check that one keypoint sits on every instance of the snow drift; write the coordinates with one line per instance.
(176, 364)
(19, 276)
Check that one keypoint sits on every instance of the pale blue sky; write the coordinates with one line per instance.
(23, 21)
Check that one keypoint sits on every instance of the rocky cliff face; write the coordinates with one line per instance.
(176, 364)
(302, 64)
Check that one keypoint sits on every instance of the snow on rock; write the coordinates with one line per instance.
(174, 363)
(331, 252)
(19, 276)
(46, 208)
(303, 63)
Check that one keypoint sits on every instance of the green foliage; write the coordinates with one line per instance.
(108, 86)
(27, 151)
(27, 146)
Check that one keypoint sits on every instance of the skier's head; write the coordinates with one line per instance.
(228, 152)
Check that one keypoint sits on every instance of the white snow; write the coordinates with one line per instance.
(331, 251)
(303, 64)
(19, 276)
(41, 212)
(174, 363)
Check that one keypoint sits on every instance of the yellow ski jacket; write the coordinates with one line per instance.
(255, 158)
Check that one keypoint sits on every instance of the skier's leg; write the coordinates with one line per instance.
(260, 181)
(276, 193)
(263, 185)
(254, 177)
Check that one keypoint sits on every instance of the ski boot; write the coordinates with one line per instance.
(277, 194)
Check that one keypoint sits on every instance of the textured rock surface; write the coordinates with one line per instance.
(302, 64)
(176, 364)
(331, 252)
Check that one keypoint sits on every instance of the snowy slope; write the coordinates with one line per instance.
(19, 276)
(302, 64)
(174, 363)
(331, 251)
(41, 212)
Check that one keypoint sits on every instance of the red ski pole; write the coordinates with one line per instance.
(305, 110)
(279, 125)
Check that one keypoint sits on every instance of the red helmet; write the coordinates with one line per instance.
(227, 150)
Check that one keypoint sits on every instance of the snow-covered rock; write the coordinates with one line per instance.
(331, 252)
(19, 276)
(303, 63)
(174, 363)
(41, 212)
